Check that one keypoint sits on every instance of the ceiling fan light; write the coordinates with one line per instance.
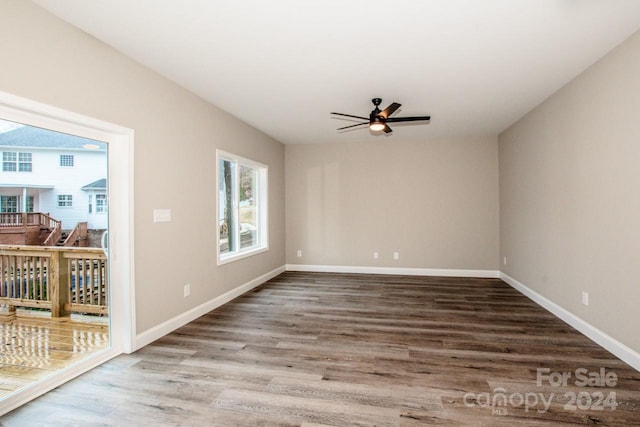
(376, 126)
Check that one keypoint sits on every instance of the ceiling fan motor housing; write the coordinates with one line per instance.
(376, 111)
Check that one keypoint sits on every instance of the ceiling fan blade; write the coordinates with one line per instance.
(387, 129)
(357, 124)
(389, 110)
(349, 115)
(407, 119)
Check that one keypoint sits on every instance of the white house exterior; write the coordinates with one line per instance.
(50, 172)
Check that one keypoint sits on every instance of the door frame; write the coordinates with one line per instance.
(122, 316)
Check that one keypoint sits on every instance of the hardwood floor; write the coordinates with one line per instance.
(310, 349)
(31, 348)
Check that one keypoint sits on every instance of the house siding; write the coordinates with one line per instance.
(53, 180)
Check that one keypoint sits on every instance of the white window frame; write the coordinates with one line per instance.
(101, 208)
(262, 227)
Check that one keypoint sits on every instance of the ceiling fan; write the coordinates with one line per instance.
(378, 120)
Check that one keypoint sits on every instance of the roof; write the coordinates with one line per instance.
(33, 137)
(100, 184)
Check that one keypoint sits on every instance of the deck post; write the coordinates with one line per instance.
(59, 284)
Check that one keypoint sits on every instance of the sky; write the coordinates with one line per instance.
(6, 126)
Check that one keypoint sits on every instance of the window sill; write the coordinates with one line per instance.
(226, 259)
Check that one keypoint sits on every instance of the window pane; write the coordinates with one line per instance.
(66, 159)
(241, 207)
(101, 203)
(9, 204)
(9, 162)
(248, 206)
(24, 162)
(65, 200)
(225, 206)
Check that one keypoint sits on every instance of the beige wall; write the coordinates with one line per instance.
(570, 195)
(434, 202)
(176, 135)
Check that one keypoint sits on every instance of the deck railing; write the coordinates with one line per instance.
(54, 236)
(77, 237)
(23, 219)
(62, 280)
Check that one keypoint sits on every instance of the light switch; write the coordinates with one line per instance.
(162, 215)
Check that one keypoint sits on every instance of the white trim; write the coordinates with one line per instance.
(122, 313)
(34, 390)
(492, 274)
(156, 332)
(625, 353)
(121, 239)
(242, 254)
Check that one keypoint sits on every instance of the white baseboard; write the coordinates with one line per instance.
(156, 332)
(604, 340)
(394, 270)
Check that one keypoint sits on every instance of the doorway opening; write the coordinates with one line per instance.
(54, 267)
(66, 247)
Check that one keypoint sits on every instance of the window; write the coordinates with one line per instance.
(242, 207)
(9, 204)
(12, 162)
(24, 162)
(101, 203)
(65, 200)
(66, 160)
(9, 161)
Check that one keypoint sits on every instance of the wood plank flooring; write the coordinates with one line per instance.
(315, 349)
(31, 347)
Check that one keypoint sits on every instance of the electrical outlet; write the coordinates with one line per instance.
(504, 260)
(187, 290)
(375, 255)
(585, 298)
(396, 255)
(299, 253)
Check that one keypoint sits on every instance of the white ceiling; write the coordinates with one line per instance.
(475, 66)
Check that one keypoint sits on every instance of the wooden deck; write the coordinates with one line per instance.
(353, 350)
(32, 347)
